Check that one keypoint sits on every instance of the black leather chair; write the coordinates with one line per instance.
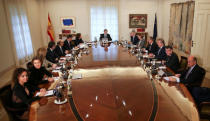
(204, 110)
(182, 64)
(6, 100)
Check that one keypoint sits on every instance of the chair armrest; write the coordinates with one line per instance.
(205, 104)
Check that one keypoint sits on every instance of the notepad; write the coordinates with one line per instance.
(77, 76)
(167, 78)
(68, 55)
(56, 71)
(48, 93)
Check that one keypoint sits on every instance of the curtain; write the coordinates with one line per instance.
(104, 15)
(181, 25)
(20, 30)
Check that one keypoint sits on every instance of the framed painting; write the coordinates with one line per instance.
(137, 20)
(68, 22)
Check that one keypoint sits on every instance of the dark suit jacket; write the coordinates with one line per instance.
(134, 40)
(59, 52)
(68, 46)
(108, 37)
(78, 41)
(162, 54)
(152, 48)
(51, 56)
(195, 77)
(172, 62)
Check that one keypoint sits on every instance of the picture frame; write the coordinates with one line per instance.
(68, 22)
(137, 20)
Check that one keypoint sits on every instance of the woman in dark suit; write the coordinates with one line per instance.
(38, 73)
(22, 93)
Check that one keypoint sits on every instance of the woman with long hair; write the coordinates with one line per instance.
(22, 93)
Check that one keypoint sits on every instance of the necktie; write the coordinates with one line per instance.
(188, 73)
(150, 47)
(159, 51)
(61, 50)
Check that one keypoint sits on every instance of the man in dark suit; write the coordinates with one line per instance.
(134, 38)
(51, 55)
(68, 43)
(59, 49)
(172, 60)
(105, 35)
(152, 47)
(161, 53)
(78, 39)
(193, 76)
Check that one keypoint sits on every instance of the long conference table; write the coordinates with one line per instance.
(114, 87)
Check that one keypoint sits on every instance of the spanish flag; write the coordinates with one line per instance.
(50, 31)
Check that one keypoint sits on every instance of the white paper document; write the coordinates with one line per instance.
(167, 78)
(54, 71)
(48, 93)
(68, 55)
(77, 76)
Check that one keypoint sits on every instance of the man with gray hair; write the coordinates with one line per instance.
(191, 77)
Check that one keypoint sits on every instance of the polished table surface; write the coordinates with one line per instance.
(115, 88)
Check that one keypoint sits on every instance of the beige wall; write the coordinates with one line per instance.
(65, 8)
(136, 7)
(34, 20)
(6, 50)
(80, 10)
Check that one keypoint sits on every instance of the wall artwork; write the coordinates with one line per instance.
(137, 20)
(68, 22)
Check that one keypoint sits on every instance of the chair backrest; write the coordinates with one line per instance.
(183, 63)
(202, 76)
(6, 100)
(203, 72)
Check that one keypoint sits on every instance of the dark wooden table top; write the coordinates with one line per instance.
(115, 88)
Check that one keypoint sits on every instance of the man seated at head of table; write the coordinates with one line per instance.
(192, 76)
(51, 55)
(78, 39)
(134, 38)
(59, 49)
(38, 73)
(23, 93)
(69, 43)
(105, 35)
(172, 60)
(152, 47)
(160, 54)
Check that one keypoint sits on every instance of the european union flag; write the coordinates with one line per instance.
(67, 22)
(155, 28)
